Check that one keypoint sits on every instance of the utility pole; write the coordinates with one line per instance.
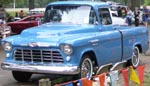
(14, 6)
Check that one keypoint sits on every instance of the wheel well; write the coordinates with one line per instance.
(139, 47)
(92, 57)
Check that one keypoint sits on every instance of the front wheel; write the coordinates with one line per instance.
(21, 76)
(135, 61)
(86, 67)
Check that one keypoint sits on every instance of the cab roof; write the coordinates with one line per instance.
(91, 3)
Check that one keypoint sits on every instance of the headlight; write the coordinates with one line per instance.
(67, 49)
(7, 46)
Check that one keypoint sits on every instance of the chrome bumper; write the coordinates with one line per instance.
(69, 70)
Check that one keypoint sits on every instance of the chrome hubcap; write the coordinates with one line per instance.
(86, 70)
(135, 57)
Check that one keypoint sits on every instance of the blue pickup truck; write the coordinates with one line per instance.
(76, 38)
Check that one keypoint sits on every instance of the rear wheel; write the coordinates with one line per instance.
(135, 61)
(21, 76)
(86, 67)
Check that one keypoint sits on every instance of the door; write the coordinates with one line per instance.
(110, 45)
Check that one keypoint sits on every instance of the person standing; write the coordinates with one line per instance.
(2, 15)
(21, 14)
(129, 17)
(2, 12)
(119, 11)
(136, 16)
(16, 15)
(145, 15)
(124, 12)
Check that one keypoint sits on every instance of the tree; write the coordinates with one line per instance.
(135, 3)
(146, 2)
(20, 4)
(5, 2)
(31, 4)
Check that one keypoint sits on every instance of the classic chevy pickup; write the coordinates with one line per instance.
(77, 37)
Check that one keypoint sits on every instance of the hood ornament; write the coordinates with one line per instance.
(33, 44)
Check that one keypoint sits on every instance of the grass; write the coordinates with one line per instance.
(11, 13)
(146, 81)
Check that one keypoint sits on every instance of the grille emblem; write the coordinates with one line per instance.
(33, 44)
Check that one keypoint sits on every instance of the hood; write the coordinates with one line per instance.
(57, 29)
(52, 33)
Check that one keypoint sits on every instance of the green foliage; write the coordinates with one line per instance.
(5, 2)
(21, 3)
(146, 2)
(11, 13)
(25, 3)
(43, 3)
(146, 81)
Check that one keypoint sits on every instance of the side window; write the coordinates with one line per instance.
(92, 17)
(104, 15)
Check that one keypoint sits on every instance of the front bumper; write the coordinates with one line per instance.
(69, 70)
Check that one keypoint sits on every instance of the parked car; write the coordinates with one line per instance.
(29, 21)
(114, 9)
(36, 11)
(78, 37)
(16, 19)
(118, 21)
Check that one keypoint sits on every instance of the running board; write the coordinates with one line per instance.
(109, 67)
(119, 66)
(104, 68)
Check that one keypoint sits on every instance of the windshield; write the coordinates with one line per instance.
(70, 14)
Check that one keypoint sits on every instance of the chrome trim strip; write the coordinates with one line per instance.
(69, 70)
(94, 41)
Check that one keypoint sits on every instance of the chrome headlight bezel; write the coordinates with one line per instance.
(6, 46)
(67, 49)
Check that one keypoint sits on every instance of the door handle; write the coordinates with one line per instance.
(94, 41)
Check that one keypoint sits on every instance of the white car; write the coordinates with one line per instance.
(16, 18)
(36, 11)
(114, 9)
(118, 21)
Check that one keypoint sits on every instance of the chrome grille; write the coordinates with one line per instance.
(38, 55)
